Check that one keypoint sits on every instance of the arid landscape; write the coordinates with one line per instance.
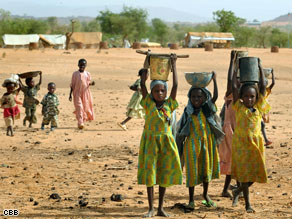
(34, 164)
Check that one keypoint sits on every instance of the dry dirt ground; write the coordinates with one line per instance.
(35, 163)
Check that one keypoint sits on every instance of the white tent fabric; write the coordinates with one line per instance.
(56, 39)
(20, 39)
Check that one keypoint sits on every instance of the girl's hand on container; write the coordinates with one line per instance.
(214, 75)
(173, 59)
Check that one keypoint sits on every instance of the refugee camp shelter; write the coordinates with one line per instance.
(82, 40)
(53, 41)
(19, 40)
(150, 45)
(199, 39)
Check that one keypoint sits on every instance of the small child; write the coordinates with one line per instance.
(50, 110)
(135, 110)
(248, 155)
(82, 98)
(266, 117)
(159, 162)
(9, 104)
(198, 136)
(30, 102)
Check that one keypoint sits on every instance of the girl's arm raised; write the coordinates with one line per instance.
(273, 80)
(173, 59)
(262, 87)
(215, 91)
(142, 83)
(40, 81)
(235, 89)
(230, 73)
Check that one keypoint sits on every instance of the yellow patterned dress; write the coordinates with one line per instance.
(159, 162)
(248, 155)
(200, 153)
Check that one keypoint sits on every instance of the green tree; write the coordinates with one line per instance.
(244, 36)
(227, 20)
(262, 36)
(278, 38)
(160, 31)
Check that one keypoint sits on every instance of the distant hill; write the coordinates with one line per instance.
(61, 20)
(283, 22)
(164, 13)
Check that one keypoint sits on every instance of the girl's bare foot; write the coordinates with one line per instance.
(226, 194)
(149, 214)
(249, 209)
(235, 197)
(162, 213)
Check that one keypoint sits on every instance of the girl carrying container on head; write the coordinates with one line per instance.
(248, 155)
(197, 139)
(159, 162)
(225, 148)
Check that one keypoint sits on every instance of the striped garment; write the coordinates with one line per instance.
(159, 161)
(248, 155)
(200, 153)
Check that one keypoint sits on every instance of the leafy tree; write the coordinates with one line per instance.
(244, 36)
(91, 26)
(160, 30)
(262, 36)
(278, 38)
(227, 20)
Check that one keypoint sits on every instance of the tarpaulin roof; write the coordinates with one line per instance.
(53, 39)
(86, 37)
(20, 39)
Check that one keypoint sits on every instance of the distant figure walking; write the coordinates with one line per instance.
(82, 98)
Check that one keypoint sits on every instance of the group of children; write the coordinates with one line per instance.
(201, 144)
(82, 97)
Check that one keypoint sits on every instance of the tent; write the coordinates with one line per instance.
(85, 39)
(55, 41)
(150, 45)
(199, 39)
(19, 40)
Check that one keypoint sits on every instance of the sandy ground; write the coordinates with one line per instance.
(35, 163)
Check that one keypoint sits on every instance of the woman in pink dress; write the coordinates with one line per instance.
(82, 98)
(225, 152)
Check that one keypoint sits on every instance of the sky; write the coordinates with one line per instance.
(262, 10)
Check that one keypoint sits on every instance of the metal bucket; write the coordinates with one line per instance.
(240, 54)
(159, 68)
(249, 69)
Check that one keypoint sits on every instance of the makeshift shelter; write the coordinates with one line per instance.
(19, 40)
(199, 39)
(85, 39)
(53, 41)
(150, 45)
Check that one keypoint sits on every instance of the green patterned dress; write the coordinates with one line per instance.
(159, 162)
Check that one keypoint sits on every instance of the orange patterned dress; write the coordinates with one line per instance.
(248, 155)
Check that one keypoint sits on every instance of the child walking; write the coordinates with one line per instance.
(82, 98)
(135, 110)
(248, 155)
(50, 109)
(9, 104)
(197, 139)
(266, 117)
(30, 102)
(159, 162)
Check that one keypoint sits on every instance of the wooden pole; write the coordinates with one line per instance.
(160, 54)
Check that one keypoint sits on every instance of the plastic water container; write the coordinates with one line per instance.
(159, 68)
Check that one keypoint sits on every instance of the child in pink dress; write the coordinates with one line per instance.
(82, 98)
